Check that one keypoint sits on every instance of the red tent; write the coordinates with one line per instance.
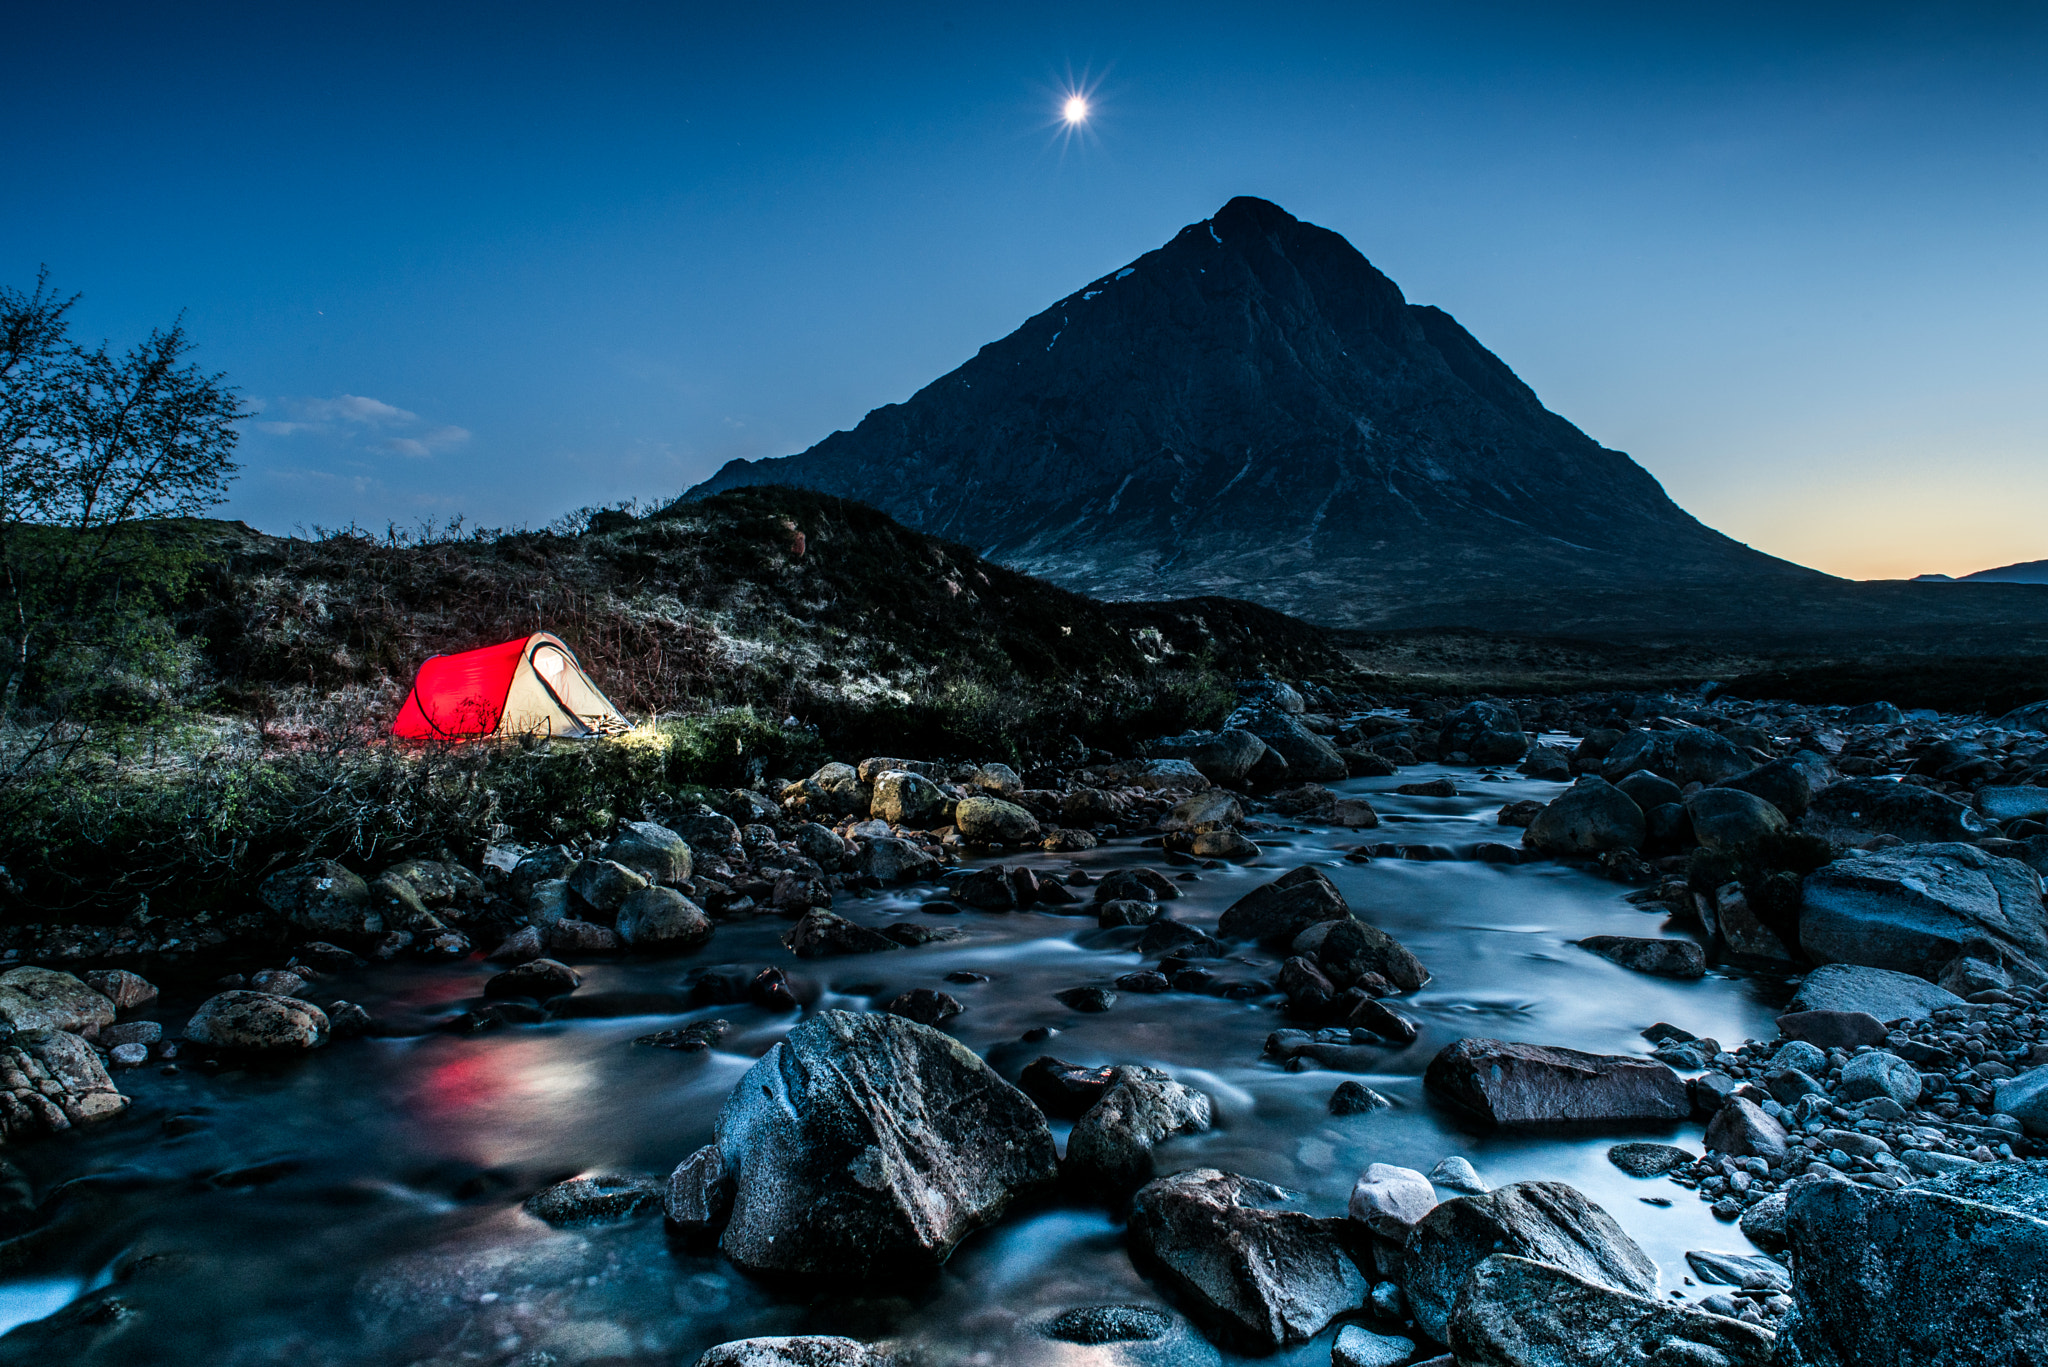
(531, 685)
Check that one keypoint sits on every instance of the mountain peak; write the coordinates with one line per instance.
(1253, 410)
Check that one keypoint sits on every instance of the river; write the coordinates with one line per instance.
(361, 1205)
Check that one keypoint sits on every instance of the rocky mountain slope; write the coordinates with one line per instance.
(1254, 410)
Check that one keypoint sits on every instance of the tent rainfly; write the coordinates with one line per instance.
(529, 686)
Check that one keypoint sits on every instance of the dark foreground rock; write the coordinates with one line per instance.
(1109, 1153)
(1550, 1222)
(865, 1147)
(1517, 1084)
(1590, 817)
(1514, 1312)
(1657, 957)
(1282, 909)
(1913, 1279)
(1260, 1275)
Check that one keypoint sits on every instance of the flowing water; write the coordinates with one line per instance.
(362, 1205)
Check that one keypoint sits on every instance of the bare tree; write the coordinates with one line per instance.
(93, 442)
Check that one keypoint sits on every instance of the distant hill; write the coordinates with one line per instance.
(1253, 410)
(2026, 572)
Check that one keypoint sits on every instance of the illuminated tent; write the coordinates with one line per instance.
(529, 686)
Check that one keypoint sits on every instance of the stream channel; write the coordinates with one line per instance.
(362, 1205)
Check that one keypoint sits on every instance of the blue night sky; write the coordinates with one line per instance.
(506, 260)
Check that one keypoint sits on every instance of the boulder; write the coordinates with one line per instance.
(1213, 810)
(2025, 1099)
(1309, 757)
(990, 820)
(1390, 1200)
(834, 790)
(1789, 784)
(820, 933)
(710, 835)
(1355, 1098)
(603, 885)
(865, 1147)
(653, 851)
(47, 998)
(1261, 1276)
(699, 1196)
(906, 799)
(662, 918)
(1690, 755)
(1550, 1222)
(1649, 789)
(1124, 1336)
(999, 779)
(1159, 775)
(1914, 908)
(1348, 950)
(537, 978)
(1912, 1278)
(1277, 912)
(1741, 1129)
(1877, 992)
(1546, 762)
(1515, 1084)
(1135, 885)
(1857, 808)
(1516, 1312)
(803, 1350)
(1064, 1090)
(125, 990)
(1226, 844)
(1659, 958)
(925, 1005)
(258, 1022)
(1226, 757)
(1589, 817)
(887, 859)
(322, 897)
(822, 845)
(1489, 732)
(1649, 1160)
(1109, 1153)
(1728, 819)
(50, 1080)
(1878, 1074)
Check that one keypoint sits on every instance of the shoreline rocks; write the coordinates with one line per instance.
(1534, 1084)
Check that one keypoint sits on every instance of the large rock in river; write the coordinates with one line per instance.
(1550, 1222)
(1518, 1084)
(1911, 909)
(1729, 818)
(1260, 1275)
(990, 820)
(801, 1350)
(48, 998)
(1689, 755)
(1589, 817)
(1225, 757)
(1515, 1312)
(1857, 808)
(1110, 1151)
(1282, 909)
(864, 1147)
(1310, 758)
(51, 1080)
(259, 1022)
(1913, 1279)
(1488, 732)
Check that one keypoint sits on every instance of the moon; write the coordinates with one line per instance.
(1075, 111)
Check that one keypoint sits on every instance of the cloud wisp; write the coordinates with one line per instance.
(358, 420)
